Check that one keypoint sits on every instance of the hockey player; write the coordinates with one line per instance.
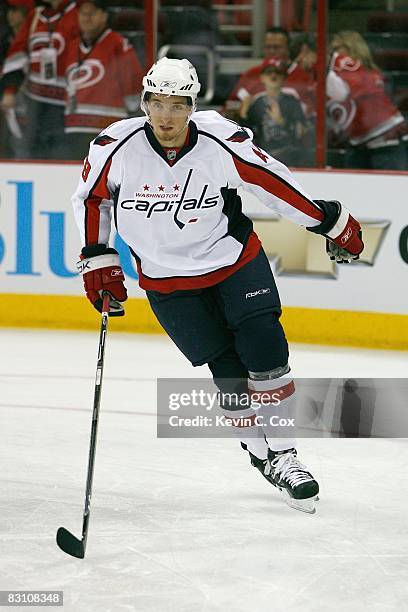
(171, 184)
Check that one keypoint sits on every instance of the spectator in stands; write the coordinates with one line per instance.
(103, 79)
(276, 45)
(17, 11)
(10, 128)
(275, 117)
(39, 45)
(300, 78)
(362, 114)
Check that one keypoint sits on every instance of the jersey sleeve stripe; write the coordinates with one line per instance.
(277, 187)
(92, 202)
(97, 193)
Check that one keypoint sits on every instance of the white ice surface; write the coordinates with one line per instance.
(186, 525)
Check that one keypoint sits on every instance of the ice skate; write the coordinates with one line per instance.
(261, 464)
(285, 472)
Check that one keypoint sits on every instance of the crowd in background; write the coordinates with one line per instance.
(66, 75)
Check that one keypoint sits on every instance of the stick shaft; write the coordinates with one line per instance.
(95, 415)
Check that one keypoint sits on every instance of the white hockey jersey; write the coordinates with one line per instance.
(183, 222)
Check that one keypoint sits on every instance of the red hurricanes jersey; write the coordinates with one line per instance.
(248, 84)
(368, 112)
(303, 83)
(103, 81)
(298, 82)
(44, 29)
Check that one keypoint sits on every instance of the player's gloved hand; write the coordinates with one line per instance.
(343, 233)
(101, 271)
(338, 254)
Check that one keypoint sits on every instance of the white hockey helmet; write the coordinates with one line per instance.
(171, 77)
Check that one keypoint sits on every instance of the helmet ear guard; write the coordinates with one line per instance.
(171, 77)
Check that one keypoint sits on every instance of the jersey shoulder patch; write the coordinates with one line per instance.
(119, 130)
(222, 128)
(103, 139)
(239, 135)
(105, 145)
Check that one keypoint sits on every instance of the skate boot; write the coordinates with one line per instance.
(289, 476)
(261, 464)
(284, 470)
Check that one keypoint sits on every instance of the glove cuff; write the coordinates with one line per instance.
(335, 219)
(90, 264)
(93, 250)
(340, 225)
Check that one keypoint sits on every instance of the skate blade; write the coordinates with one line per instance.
(303, 505)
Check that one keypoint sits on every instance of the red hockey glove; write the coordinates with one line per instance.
(101, 270)
(343, 232)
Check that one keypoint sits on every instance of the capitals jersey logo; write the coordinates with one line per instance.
(151, 202)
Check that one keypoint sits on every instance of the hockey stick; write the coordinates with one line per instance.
(66, 540)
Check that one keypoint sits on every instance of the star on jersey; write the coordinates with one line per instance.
(161, 188)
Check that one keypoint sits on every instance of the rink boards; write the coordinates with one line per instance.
(357, 305)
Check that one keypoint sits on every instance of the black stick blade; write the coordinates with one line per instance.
(70, 544)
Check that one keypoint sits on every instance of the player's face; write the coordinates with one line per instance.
(276, 45)
(92, 20)
(169, 117)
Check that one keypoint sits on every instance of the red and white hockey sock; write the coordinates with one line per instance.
(245, 429)
(274, 400)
